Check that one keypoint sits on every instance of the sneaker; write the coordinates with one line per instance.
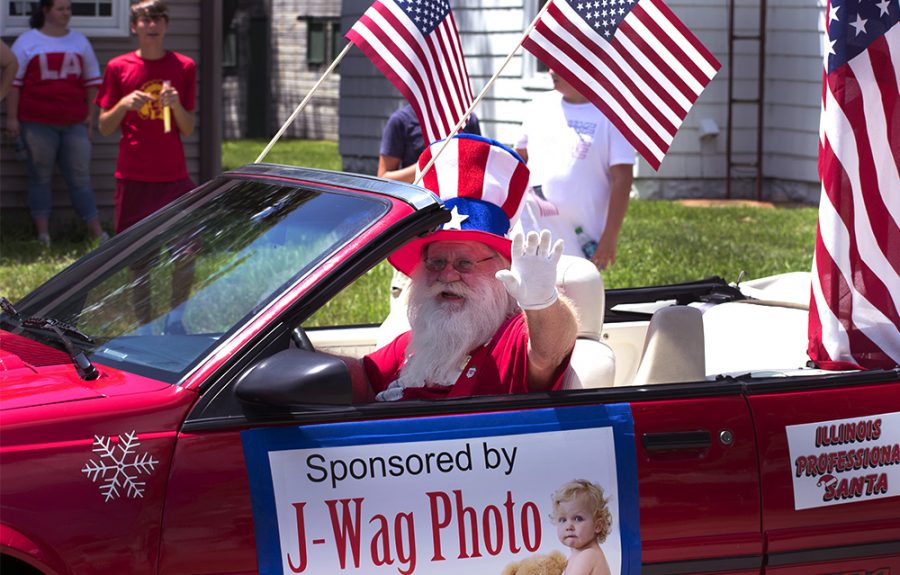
(104, 237)
(44, 239)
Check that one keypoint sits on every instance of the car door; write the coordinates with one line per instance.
(829, 451)
(694, 456)
(698, 479)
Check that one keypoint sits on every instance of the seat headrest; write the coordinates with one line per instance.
(579, 280)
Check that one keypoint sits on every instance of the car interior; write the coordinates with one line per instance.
(761, 334)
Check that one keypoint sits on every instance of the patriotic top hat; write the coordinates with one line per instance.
(481, 182)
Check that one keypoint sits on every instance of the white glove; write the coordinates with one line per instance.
(532, 278)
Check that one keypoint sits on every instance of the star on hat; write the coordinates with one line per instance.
(482, 182)
(456, 220)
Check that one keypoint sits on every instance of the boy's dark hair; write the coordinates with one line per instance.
(36, 18)
(153, 9)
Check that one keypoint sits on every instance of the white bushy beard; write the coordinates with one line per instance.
(443, 332)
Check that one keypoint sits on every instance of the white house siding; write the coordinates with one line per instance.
(694, 167)
(184, 37)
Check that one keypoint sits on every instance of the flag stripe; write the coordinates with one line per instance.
(416, 46)
(855, 293)
(589, 79)
(888, 79)
(437, 45)
(831, 334)
(456, 53)
(840, 332)
(659, 104)
(634, 46)
(882, 110)
(415, 50)
(604, 80)
(865, 326)
(394, 64)
(446, 62)
(694, 53)
(673, 94)
(625, 124)
(636, 62)
(662, 45)
(850, 182)
(870, 293)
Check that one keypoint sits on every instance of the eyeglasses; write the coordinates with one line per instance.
(462, 266)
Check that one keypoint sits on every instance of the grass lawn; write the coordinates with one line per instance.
(308, 153)
(661, 242)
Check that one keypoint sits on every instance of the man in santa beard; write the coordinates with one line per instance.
(485, 316)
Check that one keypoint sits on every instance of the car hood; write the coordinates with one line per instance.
(33, 374)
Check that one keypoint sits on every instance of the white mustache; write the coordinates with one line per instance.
(457, 288)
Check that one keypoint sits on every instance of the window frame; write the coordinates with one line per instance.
(116, 25)
(330, 29)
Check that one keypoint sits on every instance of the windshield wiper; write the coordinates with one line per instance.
(62, 330)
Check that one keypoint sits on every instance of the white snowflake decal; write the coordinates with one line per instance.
(119, 466)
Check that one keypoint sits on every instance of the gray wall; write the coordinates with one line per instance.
(694, 166)
(289, 77)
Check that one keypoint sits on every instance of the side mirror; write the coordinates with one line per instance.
(296, 377)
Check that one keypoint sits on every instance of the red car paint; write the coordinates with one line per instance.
(713, 462)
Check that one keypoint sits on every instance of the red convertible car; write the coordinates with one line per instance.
(173, 403)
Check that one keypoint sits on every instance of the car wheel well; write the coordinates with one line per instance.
(9, 565)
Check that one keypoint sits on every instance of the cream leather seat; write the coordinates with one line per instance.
(592, 363)
(673, 347)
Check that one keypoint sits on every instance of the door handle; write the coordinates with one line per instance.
(677, 440)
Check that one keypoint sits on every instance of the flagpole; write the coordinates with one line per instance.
(304, 102)
(481, 94)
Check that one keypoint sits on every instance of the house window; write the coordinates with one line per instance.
(230, 50)
(100, 18)
(323, 36)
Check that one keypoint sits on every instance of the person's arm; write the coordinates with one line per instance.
(524, 153)
(10, 65)
(621, 176)
(92, 109)
(111, 119)
(92, 77)
(389, 168)
(552, 328)
(551, 337)
(12, 113)
(591, 561)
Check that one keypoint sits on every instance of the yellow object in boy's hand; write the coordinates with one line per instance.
(167, 113)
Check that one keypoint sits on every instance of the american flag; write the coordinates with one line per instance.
(416, 45)
(853, 312)
(633, 59)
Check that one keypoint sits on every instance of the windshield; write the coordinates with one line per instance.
(162, 300)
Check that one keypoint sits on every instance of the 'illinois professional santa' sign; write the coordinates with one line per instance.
(845, 460)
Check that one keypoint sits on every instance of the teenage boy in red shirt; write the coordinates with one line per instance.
(137, 89)
(149, 95)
